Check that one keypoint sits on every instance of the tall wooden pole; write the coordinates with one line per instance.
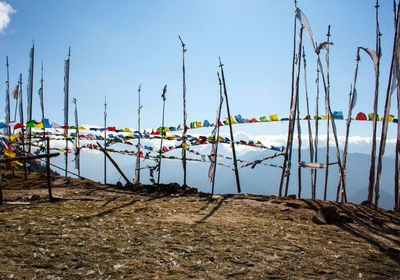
(397, 164)
(387, 110)
(137, 169)
(21, 117)
(230, 128)
(310, 140)
(30, 95)
(327, 127)
(77, 156)
(105, 139)
(184, 111)
(42, 105)
(298, 150)
(48, 169)
(316, 134)
(66, 108)
(285, 173)
(375, 117)
(352, 97)
(8, 131)
(292, 117)
(217, 136)
(162, 132)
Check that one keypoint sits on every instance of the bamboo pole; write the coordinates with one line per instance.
(375, 117)
(48, 169)
(105, 139)
(397, 165)
(329, 116)
(184, 110)
(42, 105)
(216, 139)
(387, 111)
(292, 117)
(352, 97)
(298, 150)
(285, 172)
(66, 107)
(8, 130)
(310, 140)
(137, 169)
(230, 128)
(21, 116)
(30, 93)
(162, 132)
(114, 163)
(316, 135)
(77, 156)
(327, 126)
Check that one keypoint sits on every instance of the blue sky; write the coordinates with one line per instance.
(116, 45)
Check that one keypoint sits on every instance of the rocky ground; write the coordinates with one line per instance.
(93, 231)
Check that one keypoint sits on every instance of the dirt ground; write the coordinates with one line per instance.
(92, 231)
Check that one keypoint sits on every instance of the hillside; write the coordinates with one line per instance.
(94, 231)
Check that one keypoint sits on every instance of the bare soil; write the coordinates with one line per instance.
(93, 231)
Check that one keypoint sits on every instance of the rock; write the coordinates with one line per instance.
(291, 196)
(293, 205)
(327, 215)
(119, 185)
(378, 221)
(366, 203)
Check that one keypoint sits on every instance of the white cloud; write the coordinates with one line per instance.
(5, 11)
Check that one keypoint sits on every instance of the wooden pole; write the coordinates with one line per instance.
(298, 150)
(352, 97)
(21, 117)
(216, 139)
(375, 117)
(293, 110)
(48, 169)
(77, 156)
(397, 165)
(316, 134)
(137, 168)
(329, 116)
(184, 110)
(310, 140)
(285, 173)
(387, 111)
(162, 132)
(105, 139)
(230, 128)
(8, 130)
(66, 107)
(327, 130)
(42, 104)
(30, 93)
(114, 163)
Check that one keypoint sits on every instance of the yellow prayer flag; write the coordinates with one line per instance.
(127, 130)
(9, 153)
(13, 137)
(232, 120)
(198, 124)
(39, 125)
(391, 118)
(81, 128)
(274, 118)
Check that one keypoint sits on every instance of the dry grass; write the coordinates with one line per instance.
(96, 232)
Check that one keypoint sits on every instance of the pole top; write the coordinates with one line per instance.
(140, 88)
(69, 52)
(220, 63)
(377, 4)
(219, 79)
(164, 92)
(329, 31)
(295, 3)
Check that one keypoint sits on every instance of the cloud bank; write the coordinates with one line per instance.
(5, 11)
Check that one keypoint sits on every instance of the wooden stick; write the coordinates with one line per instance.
(21, 116)
(375, 117)
(184, 110)
(216, 139)
(386, 114)
(230, 128)
(137, 168)
(310, 140)
(327, 129)
(66, 107)
(8, 97)
(316, 134)
(162, 132)
(114, 163)
(298, 150)
(292, 117)
(48, 169)
(21, 158)
(285, 160)
(105, 139)
(351, 105)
